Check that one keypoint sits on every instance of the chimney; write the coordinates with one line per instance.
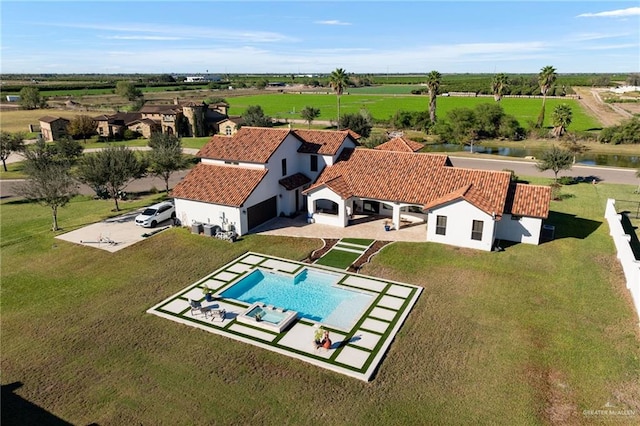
(175, 101)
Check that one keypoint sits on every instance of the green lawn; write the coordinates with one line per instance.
(288, 106)
(338, 259)
(359, 241)
(530, 335)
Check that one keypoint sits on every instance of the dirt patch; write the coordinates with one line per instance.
(607, 114)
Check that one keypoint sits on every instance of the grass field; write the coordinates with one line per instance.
(288, 106)
(530, 335)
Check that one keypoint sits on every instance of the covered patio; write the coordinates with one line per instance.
(361, 226)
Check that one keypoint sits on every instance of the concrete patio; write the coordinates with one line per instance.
(362, 226)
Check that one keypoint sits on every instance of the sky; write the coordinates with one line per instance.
(309, 37)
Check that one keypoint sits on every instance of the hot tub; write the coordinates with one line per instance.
(267, 317)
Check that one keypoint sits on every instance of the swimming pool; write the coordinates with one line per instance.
(311, 292)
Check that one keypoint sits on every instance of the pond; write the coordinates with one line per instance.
(614, 160)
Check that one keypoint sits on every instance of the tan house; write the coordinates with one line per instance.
(53, 128)
(109, 126)
(229, 126)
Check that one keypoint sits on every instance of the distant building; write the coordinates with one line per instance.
(53, 128)
(13, 98)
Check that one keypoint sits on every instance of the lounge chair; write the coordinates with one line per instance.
(195, 306)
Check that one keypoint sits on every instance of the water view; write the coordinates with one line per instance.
(631, 161)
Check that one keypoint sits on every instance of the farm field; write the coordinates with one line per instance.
(288, 106)
(530, 335)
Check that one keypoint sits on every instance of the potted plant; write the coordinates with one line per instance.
(208, 293)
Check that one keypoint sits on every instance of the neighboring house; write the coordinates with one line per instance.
(462, 207)
(53, 128)
(229, 126)
(181, 119)
(255, 175)
(400, 144)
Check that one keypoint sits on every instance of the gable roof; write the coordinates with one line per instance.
(528, 200)
(161, 109)
(400, 144)
(226, 185)
(249, 144)
(294, 181)
(383, 175)
(323, 142)
(50, 119)
(423, 179)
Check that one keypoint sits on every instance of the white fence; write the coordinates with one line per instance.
(630, 265)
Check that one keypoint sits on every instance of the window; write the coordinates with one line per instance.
(314, 163)
(441, 225)
(476, 230)
(284, 167)
(227, 130)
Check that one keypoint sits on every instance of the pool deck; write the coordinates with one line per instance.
(356, 352)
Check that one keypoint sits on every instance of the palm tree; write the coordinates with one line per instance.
(433, 84)
(546, 78)
(338, 80)
(498, 85)
(561, 118)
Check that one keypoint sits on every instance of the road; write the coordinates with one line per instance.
(521, 168)
(528, 168)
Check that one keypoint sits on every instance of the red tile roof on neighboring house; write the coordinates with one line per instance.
(226, 185)
(249, 144)
(400, 144)
(323, 142)
(529, 200)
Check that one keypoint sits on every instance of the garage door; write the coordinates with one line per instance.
(262, 212)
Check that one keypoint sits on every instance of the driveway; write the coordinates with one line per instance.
(112, 234)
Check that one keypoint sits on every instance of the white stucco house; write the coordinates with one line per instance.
(257, 174)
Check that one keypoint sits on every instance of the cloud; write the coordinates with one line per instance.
(134, 37)
(619, 13)
(332, 22)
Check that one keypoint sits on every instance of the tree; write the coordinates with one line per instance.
(433, 85)
(49, 179)
(67, 149)
(574, 147)
(361, 123)
(128, 90)
(165, 156)
(561, 119)
(262, 84)
(82, 125)
(254, 116)
(30, 98)
(555, 159)
(309, 114)
(463, 126)
(338, 81)
(10, 142)
(633, 79)
(499, 84)
(626, 132)
(546, 78)
(111, 169)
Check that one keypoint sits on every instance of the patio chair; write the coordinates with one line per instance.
(195, 306)
(218, 313)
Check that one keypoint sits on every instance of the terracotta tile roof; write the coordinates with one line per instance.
(354, 135)
(400, 144)
(250, 144)
(226, 185)
(384, 175)
(529, 200)
(423, 179)
(294, 181)
(161, 109)
(323, 142)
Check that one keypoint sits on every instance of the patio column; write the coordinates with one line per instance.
(396, 216)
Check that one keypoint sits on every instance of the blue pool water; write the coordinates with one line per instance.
(311, 293)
